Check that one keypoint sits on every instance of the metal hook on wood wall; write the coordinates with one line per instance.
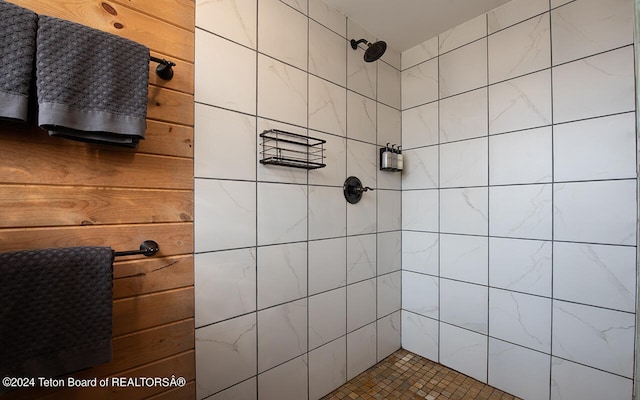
(164, 69)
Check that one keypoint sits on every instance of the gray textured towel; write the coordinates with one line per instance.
(17, 52)
(92, 85)
(56, 310)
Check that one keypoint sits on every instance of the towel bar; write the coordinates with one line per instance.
(164, 69)
(147, 248)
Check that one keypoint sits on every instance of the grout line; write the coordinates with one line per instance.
(552, 206)
(488, 199)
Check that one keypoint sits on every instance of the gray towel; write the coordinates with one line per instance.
(17, 52)
(92, 85)
(56, 313)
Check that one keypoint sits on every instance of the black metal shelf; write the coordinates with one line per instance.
(292, 150)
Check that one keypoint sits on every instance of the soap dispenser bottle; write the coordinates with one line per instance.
(394, 158)
(385, 158)
(400, 159)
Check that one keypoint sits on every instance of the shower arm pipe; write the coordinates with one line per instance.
(355, 43)
(164, 69)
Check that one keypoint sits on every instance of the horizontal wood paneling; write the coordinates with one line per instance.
(157, 309)
(162, 139)
(69, 165)
(143, 28)
(69, 205)
(177, 12)
(173, 238)
(60, 193)
(151, 274)
(170, 106)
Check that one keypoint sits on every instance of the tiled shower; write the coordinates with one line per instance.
(297, 291)
(509, 241)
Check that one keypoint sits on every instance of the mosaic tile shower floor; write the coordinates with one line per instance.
(404, 375)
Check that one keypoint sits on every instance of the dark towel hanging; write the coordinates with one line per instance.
(17, 52)
(56, 314)
(91, 85)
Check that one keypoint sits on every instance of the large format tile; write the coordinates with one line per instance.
(513, 12)
(361, 304)
(521, 157)
(294, 372)
(420, 84)
(599, 85)
(520, 318)
(520, 49)
(462, 34)
(361, 257)
(231, 19)
(593, 274)
(464, 351)
(327, 317)
(361, 350)
(282, 334)
(420, 168)
(225, 214)
(327, 107)
(388, 335)
(233, 341)
(464, 258)
(463, 69)
(464, 211)
(327, 57)
(463, 116)
(520, 103)
(389, 293)
(600, 148)
(420, 126)
(225, 285)
(327, 212)
(508, 364)
(282, 274)
(420, 252)
(595, 212)
(420, 294)
(464, 163)
(588, 27)
(282, 213)
(420, 335)
(522, 211)
(594, 336)
(327, 368)
(282, 33)
(211, 73)
(520, 265)
(237, 131)
(465, 305)
(420, 210)
(282, 91)
(361, 118)
(594, 384)
(327, 265)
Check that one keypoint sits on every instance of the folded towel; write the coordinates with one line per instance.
(56, 310)
(17, 52)
(92, 85)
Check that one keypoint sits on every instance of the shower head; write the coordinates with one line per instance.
(374, 50)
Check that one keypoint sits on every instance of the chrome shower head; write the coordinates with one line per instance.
(374, 50)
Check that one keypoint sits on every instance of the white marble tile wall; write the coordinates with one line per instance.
(292, 282)
(519, 206)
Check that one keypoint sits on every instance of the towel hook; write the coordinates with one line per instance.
(164, 69)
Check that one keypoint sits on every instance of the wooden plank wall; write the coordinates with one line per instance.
(56, 192)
